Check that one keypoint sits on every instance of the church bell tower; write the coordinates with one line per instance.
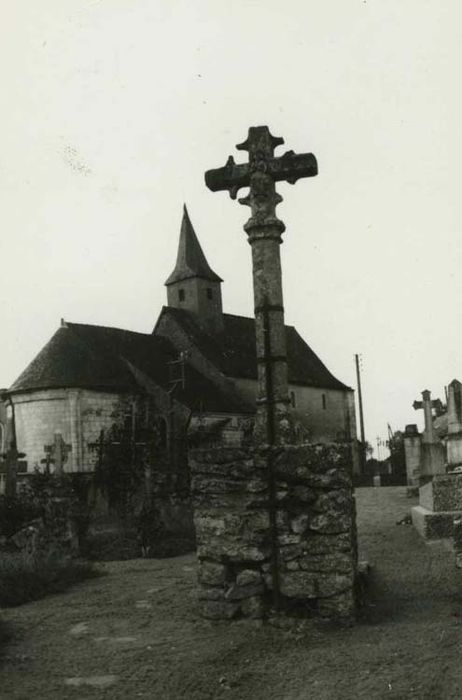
(193, 285)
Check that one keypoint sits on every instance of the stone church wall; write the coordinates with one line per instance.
(78, 415)
(327, 420)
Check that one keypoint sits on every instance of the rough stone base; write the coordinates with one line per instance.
(289, 538)
(434, 525)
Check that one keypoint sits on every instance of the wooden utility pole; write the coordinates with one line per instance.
(361, 417)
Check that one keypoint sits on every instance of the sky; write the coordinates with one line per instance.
(112, 110)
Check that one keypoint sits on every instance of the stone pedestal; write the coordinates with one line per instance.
(440, 502)
(275, 526)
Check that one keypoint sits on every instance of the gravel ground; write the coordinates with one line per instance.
(133, 633)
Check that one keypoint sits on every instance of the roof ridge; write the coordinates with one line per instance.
(71, 324)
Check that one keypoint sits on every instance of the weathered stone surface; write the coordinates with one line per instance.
(211, 573)
(306, 584)
(340, 606)
(331, 522)
(433, 525)
(304, 494)
(443, 493)
(338, 501)
(233, 552)
(298, 584)
(340, 562)
(248, 577)
(253, 608)
(220, 610)
(300, 523)
(314, 527)
(235, 592)
(325, 544)
(211, 593)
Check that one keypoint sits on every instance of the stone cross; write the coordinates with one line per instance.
(11, 468)
(427, 405)
(58, 452)
(264, 230)
(48, 460)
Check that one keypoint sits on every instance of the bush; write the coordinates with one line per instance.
(15, 512)
(24, 578)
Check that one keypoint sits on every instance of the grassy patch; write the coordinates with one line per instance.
(24, 578)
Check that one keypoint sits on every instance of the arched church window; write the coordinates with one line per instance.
(209, 293)
(292, 399)
(181, 294)
(2, 438)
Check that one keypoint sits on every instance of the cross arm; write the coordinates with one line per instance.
(231, 177)
(290, 167)
(417, 405)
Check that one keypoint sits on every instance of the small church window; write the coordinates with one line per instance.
(181, 295)
(209, 293)
(292, 399)
(324, 402)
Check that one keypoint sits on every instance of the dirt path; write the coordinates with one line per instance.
(134, 633)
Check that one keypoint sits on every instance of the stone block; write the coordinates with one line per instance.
(306, 584)
(299, 524)
(319, 543)
(305, 494)
(212, 574)
(248, 577)
(236, 592)
(340, 562)
(443, 493)
(219, 609)
(331, 523)
(335, 501)
(235, 552)
(253, 607)
(339, 606)
(433, 525)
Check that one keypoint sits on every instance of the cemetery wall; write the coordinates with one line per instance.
(293, 533)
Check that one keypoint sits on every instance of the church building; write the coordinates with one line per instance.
(198, 367)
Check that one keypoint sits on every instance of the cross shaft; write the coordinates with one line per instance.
(264, 231)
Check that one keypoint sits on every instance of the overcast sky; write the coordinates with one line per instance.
(113, 109)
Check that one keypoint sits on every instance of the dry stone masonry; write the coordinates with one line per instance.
(310, 560)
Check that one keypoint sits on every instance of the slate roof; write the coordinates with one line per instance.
(191, 261)
(234, 352)
(98, 357)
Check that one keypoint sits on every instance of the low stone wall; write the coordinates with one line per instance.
(275, 527)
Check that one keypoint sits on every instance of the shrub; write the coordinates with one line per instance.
(24, 578)
(15, 512)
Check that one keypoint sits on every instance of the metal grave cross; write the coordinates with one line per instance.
(98, 447)
(11, 459)
(264, 230)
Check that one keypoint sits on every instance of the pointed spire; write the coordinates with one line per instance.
(190, 261)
